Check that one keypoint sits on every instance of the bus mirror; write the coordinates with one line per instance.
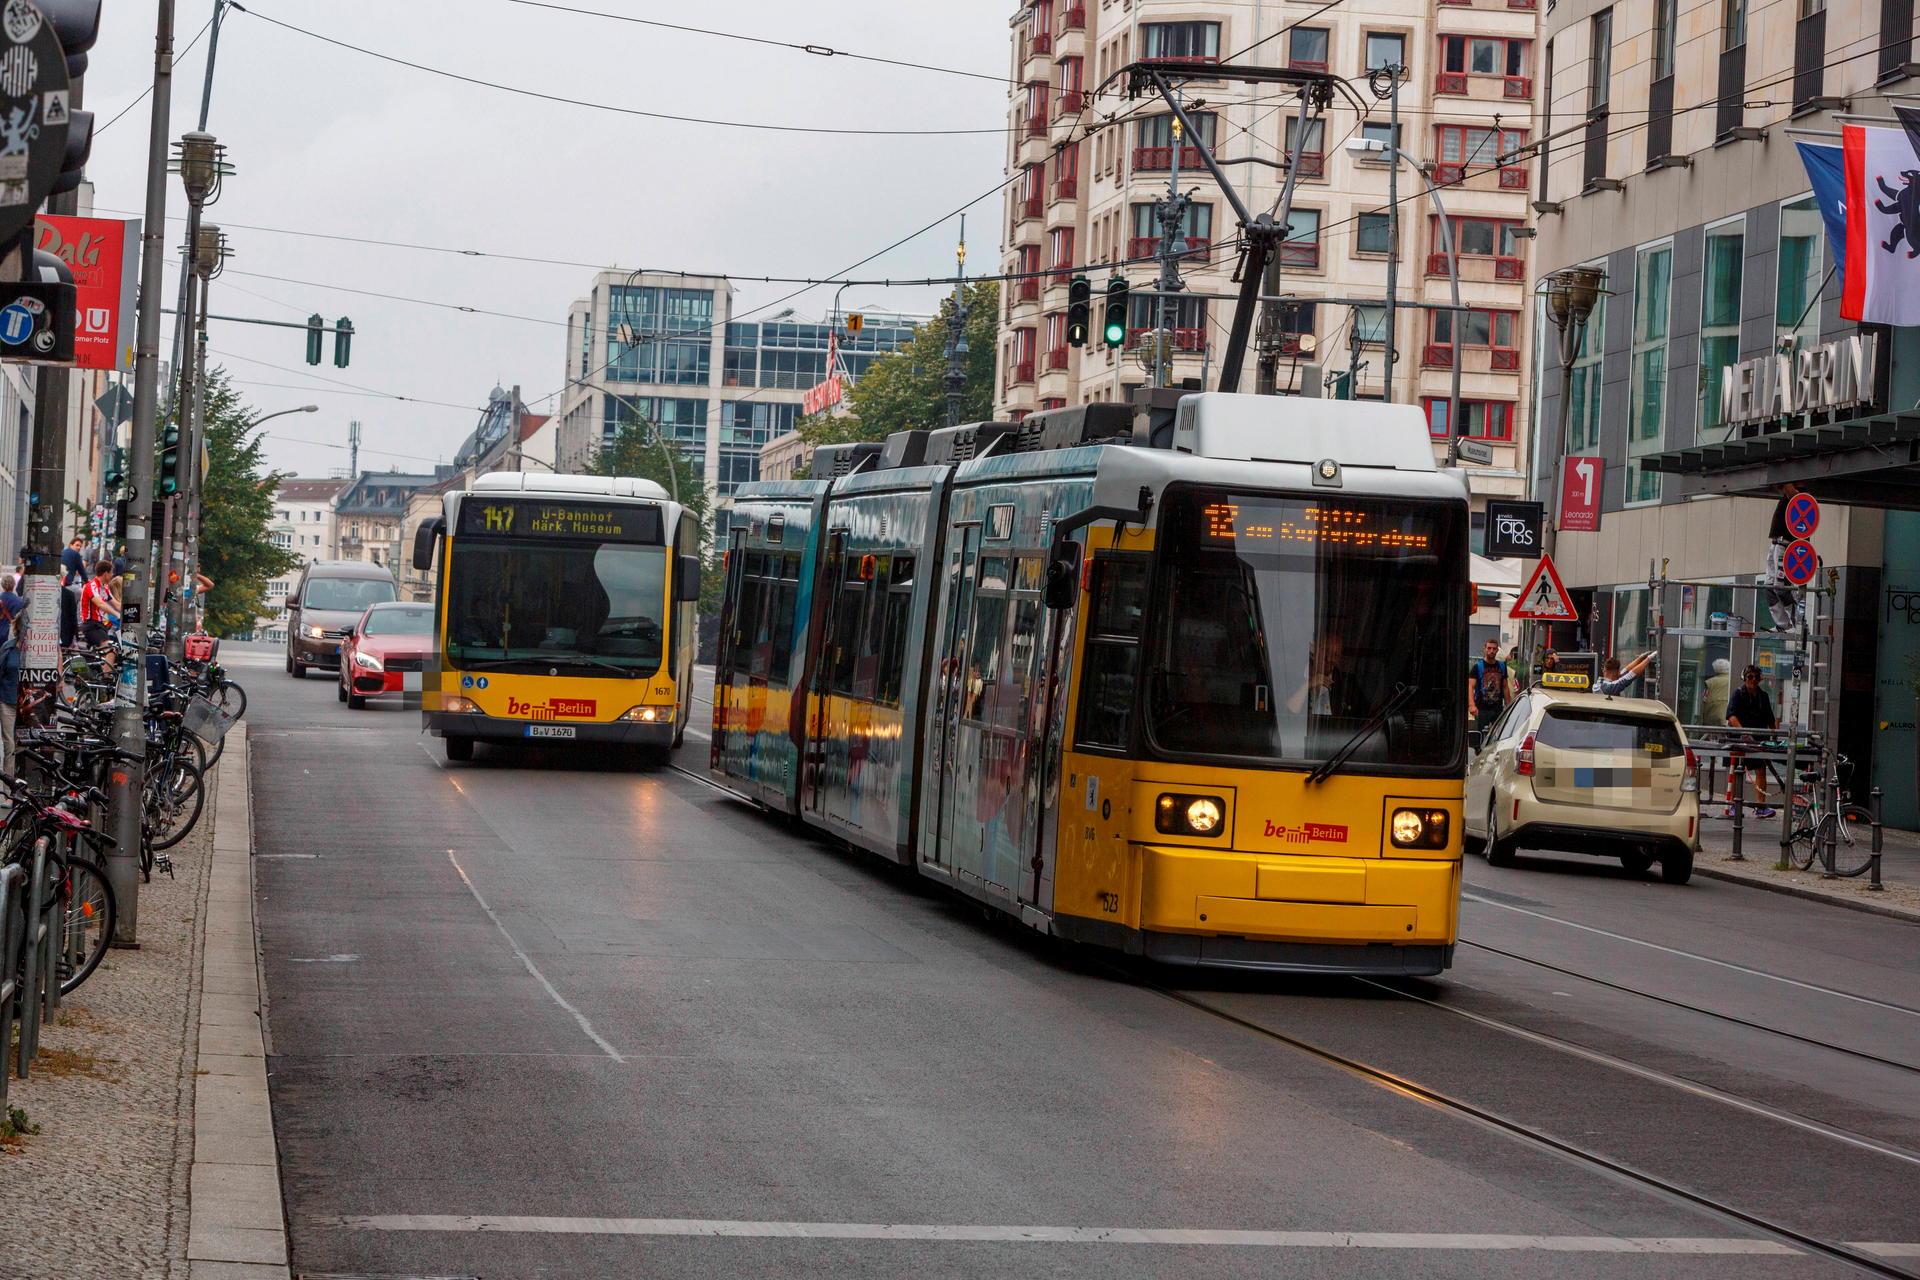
(1063, 574)
(686, 579)
(424, 540)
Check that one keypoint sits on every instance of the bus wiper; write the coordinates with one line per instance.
(546, 659)
(1332, 763)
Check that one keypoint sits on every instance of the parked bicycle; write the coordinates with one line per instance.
(1820, 811)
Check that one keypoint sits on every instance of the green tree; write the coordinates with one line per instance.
(639, 451)
(905, 389)
(236, 508)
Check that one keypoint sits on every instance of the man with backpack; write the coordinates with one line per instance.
(1487, 687)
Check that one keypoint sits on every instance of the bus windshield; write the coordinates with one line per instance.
(542, 603)
(1288, 623)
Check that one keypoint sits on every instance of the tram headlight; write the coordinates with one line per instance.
(1184, 815)
(1418, 828)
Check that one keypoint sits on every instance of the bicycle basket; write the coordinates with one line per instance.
(207, 721)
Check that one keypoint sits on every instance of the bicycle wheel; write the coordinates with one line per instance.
(175, 799)
(1806, 838)
(230, 698)
(1852, 840)
(91, 912)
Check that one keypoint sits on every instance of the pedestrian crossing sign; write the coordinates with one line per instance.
(1543, 599)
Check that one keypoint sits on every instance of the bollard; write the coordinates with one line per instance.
(1737, 783)
(1873, 863)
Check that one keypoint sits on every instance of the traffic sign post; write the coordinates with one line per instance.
(1544, 599)
(1803, 515)
(1801, 561)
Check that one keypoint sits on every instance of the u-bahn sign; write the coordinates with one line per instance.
(34, 113)
(1836, 375)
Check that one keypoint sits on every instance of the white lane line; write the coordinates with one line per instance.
(526, 960)
(959, 1233)
(1690, 955)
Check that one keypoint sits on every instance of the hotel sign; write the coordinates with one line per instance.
(1836, 375)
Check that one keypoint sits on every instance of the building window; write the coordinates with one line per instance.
(1485, 419)
(1583, 383)
(1480, 237)
(1301, 248)
(1370, 324)
(1733, 24)
(1027, 264)
(1307, 48)
(1155, 148)
(1072, 81)
(1066, 172)
(1056, 348)
(1181, 41)
(1467, 145)
(1020, 355)
(1720, 280)
(1386, 49)
(1796, 310)
(1380, 131)
(751, 423)
(1599, 93)
(1187, 317)
(1477, 328)
(1060, 247)
(1311, 157)
(1809, 53)
(1647, 384)
(1197, 230)
(1373, 233)
(656, 316)
(1032, 199)
(1662, 39)
(1478, 56)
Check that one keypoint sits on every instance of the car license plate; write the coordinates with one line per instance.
(550, 731)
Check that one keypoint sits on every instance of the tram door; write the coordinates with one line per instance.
(949, 695)
(727, 664)
(827, 782)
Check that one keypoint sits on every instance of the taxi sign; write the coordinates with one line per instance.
(1800, 562)
(1577, 680)
(1803, 515)
(1543, 599)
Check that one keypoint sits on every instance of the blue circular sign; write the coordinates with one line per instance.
(1800, 563)
(16, 324)
(1803, 514)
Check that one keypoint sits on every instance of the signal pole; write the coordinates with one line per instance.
(956, 376)
(127, 778)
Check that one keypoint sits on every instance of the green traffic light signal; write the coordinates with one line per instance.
(1114, 331)
(169, 473)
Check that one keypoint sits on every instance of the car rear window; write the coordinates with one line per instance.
(1572, 730)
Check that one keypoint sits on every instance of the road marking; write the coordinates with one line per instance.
(1675, 951)
(526, 960)
(340, 958)
(968, 1234)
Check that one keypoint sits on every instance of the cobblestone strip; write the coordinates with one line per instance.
(237, 1227)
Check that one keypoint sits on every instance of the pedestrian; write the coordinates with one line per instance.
(1517, 665)
(1487, 687)
(1778, 594)
(1614, 680)
(99, 609)
(12, 604)
(73, 580)
(1713, 708)
(1749, 708)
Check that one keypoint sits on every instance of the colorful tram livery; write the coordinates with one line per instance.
(565, 613)
(1186, 686)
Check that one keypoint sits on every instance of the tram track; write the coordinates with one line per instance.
(1843, 1253)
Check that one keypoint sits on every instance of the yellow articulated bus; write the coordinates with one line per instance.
(564, 613)
(1185, 688)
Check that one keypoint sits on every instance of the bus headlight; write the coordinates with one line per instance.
(454, 702)
(1183, 815)
(650, 715)
(1419, 828)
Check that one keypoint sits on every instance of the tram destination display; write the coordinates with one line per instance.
(1250, 523)
(572, 521)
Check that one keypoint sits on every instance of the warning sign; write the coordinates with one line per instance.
(1543, 599)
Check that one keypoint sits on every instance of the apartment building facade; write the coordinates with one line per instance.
(664, 348)
(1680, 180)
(302, 524)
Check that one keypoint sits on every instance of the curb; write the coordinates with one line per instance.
(236, 1229)
(1811, 895)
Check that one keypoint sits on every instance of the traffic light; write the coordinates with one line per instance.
(1115, 328)
(342, 343)
(1079, 311)
(76, 25)
(169, 469)
(316, 336)
(116, 470)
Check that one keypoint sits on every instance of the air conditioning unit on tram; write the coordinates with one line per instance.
(969, 440)
(1354, 433)
(834, 460)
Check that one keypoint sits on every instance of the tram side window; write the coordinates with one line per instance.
(895, 611)
(1112, 662)
(844, 628)
(985, 679)
(746, 617)
(782, 595)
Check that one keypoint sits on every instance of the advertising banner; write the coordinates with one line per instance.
(103, 254)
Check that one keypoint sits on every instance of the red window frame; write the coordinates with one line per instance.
(1448, 170)
(1056, 339)
(1060, 245)
(1028, 289)
(1494, 316)
(1066, 172)
(1503, 417)
(1037, 93)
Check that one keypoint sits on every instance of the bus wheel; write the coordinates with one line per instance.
(459, 749)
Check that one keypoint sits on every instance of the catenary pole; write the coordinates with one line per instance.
(127, 778)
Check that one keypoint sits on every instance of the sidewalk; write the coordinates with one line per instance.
(1760, 845)
(155, 1158)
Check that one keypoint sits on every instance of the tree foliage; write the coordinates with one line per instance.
(236, 510)
(906, 389)
(640, 452)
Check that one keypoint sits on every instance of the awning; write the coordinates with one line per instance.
(1495, 575)
(1866, 462)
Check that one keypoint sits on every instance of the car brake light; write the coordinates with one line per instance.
(1690, 781)
(1523, 758)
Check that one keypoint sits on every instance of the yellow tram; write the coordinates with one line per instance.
(1182, 684)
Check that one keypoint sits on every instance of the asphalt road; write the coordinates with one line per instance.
(548, 1015)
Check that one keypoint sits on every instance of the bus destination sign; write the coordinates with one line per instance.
(538, 518)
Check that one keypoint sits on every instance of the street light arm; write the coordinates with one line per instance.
(673, 472)
(281, 413)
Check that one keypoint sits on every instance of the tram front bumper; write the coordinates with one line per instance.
(1299, 899)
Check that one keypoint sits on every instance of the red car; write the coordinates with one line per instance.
(385, 651)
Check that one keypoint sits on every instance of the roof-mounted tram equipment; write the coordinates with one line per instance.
(1198, 701)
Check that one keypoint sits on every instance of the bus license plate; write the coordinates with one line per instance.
(550, 731)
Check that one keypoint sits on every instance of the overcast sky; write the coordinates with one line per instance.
(328, 140)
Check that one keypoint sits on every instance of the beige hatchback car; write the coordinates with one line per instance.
(1586, 773)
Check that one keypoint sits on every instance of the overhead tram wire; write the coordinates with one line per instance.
(141, 97)
(610, 107)
(815, 50)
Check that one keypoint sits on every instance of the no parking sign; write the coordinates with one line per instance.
(1803, 515)
(1800, 563)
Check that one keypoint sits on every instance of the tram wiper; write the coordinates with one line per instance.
(1397, 699)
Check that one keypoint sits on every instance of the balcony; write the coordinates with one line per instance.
(1032, 207)
(1518, 86)
(1300, 253)
(1041, 42)
(1149, 247)
(1146, 159)
(1057, 358)
(1074, 18)
(1028, 290)
(1439, 355)
(1183, 339)
(1019, 373)
(1066, 189)
(1072, 103)
(1450, 82)
(1476, 267)
(1512, 177)
(1037, 126)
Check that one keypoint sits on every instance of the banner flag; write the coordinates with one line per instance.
(1882, 272)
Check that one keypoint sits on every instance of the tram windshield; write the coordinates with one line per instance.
(1288, 622)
